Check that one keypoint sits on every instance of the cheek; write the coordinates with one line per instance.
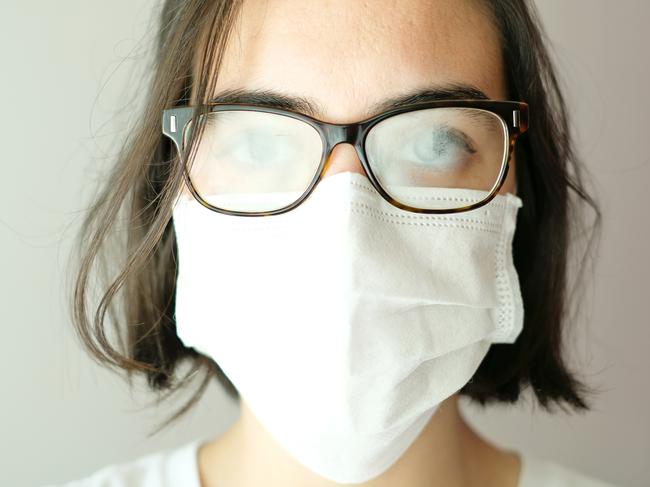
(509, 183)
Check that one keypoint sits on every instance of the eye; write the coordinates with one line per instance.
(443, 148)
(259, 148)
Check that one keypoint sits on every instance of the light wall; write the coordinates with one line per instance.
(67, 83)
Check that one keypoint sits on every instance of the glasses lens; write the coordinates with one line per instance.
(463, 149)
(253, 161)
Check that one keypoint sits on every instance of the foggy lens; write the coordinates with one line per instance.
(254, 161)
(461, 149)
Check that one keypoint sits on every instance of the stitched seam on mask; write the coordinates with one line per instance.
(491, 204)
(505, 304)
(427, 217)
(425, 223)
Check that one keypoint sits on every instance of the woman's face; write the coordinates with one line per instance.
(348, 56)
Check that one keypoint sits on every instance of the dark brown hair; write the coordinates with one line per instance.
(136, 294)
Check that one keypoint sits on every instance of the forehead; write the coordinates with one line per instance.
(349, 55)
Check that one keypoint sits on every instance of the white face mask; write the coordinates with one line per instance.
(345, 322)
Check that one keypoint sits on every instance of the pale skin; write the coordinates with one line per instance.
(348, 55)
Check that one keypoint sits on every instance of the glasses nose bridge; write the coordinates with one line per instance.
(336, 134)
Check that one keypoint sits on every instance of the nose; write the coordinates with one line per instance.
(343, 158)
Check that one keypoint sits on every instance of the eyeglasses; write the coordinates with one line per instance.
(255, 160)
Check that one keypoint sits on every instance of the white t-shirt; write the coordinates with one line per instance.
(178, 467)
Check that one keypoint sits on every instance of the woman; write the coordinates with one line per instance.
(337, 223)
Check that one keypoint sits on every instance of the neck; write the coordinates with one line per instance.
(446, 453)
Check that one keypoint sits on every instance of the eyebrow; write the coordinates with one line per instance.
(309, 106)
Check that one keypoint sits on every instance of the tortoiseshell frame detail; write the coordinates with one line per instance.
(514, 116)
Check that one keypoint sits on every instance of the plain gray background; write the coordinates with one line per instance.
(69, 72)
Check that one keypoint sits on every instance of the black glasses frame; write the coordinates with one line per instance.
(513, 114)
